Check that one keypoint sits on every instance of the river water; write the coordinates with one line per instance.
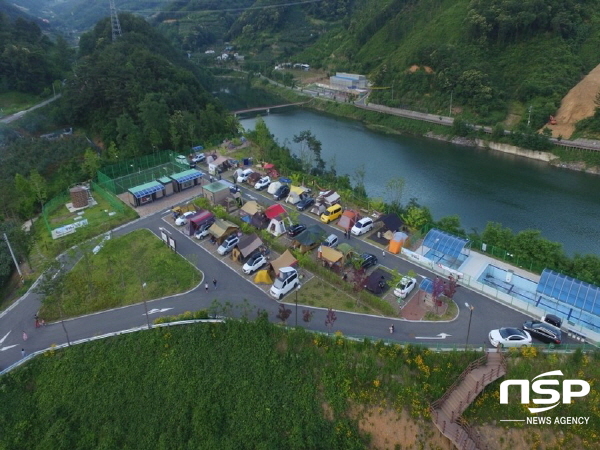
(477, 184)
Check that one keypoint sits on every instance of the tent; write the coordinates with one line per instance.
(391, 222)
(251, 208)
(259, 220)
(331, 198)
(277, 215)
(309, 238)
(273, 187)
(377, 282)
(285, 260)
(221, 229)
(346, 250)
(397, 242)
(245, 247)
(275, 210)
(323, 201)
(329, 255)
(213, 166)
(262, 276)
(254, 177)
(198, 219)
(348, 219)
(297, 193)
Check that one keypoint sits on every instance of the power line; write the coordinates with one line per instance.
(280, 5)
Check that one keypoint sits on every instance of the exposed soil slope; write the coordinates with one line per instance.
(577, 104)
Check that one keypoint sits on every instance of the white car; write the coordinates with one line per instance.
(405, 287)
(510, 337)
(262, 183)
(242, 177)
(228, 244)
(198, 158)
(202, 231)
(363, 226)
(254, 263)
(183, 219)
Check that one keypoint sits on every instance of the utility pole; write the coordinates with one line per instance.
(114, 20)
(529, 117)
(13, 257)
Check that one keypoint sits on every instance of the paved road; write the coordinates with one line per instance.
(18, 115)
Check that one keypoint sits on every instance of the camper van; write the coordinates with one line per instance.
(331, 213)
(286, 281)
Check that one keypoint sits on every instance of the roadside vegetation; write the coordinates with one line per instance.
(126, 270)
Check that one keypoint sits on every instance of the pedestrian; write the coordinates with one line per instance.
(206, 286)
(383, 253)
(23, 352)
(37, 321)
(24, 335)
(215, 283)
(391, 328)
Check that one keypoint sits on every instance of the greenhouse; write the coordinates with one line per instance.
(574, 300)
(445, 248)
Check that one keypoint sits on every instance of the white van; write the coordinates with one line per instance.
(286, 281)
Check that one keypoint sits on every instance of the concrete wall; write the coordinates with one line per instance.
(511, 149)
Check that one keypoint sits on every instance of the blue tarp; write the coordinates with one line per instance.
(444, 243)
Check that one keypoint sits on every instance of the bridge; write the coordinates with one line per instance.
(266, 108)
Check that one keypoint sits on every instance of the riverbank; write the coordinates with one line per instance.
(388, 123)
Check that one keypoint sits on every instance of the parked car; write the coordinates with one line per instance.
(553, 320)
(242, 177)
(331, 241)
(228, 244)
(510, 337)
(202, 230)
(183, 219)
(199, 157)
(363, 226)
(331, 213)
(543, 331)
(305, 203)
(282, 192)
(285, 282)
(405, 287)
(296, 229)
(262, 183)
(255, 262)
(182, 160)
(367, 260)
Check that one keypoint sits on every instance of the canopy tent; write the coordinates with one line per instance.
(273, 187)
(251, 207)
(221, 229)
(198, 219)
(310, 238)
(444, 243)
(254, 177)
(397, 242)
(262, 276)
(323, 201)
(570, 298)
(348, 219)
(297, 193)
(285, 260)
(345, 249)
(275, 210)
(331, 198)
(330, 255)
(377, 282)
(245, 247)
(391, 222)
(259, 220)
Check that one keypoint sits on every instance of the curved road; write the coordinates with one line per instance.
(234, 288)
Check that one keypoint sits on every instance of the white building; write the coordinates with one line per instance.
(342, 80)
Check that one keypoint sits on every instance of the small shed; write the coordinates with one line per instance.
(245, 247)
(391, 222)
(397, 242)
(145, 193)
(216, 192)
(277, 216)
(285, 260)
(221, 229)
(310, 238)
(348, 219)
(168, 185)
(296, 194)
(185, 180)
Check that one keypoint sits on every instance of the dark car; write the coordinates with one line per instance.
(282, 192)
(367, 260)
(305, 203)
(295, 230)
(543, 331)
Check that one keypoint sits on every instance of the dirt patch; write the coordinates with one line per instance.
(577, 105)
(414, 68)
(500, 438)
(389, 430)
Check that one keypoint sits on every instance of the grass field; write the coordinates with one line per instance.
(13, 102)
(116, 274)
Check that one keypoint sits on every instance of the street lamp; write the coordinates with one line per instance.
(471, 308)
(297, 289)
(145, 304)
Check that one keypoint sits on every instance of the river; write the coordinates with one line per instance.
(477, 184)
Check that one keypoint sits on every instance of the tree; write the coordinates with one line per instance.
(330, 319)
(91, 163)
(283, 313)
(450, 224)
(394, 189)
(26, 204)
(309, 143)
(450, 287)
(417, 217)
(438, 290)
(307, 315)
(359, 181)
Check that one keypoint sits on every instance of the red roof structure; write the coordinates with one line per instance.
(274, 211)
